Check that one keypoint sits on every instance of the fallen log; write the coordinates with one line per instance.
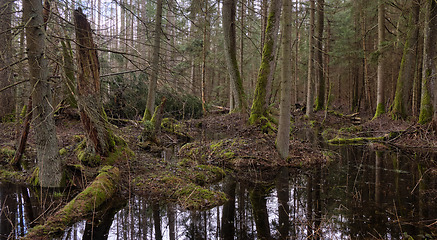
(83, 205)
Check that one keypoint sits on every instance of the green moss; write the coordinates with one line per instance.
(216, 145)
(119, 153)
(380, 109)
(228, 155)
(34, 178)
(8, 118)
(7, 152)
(63, 151)
(426, 108)
(23, 111)
(78, 138)
(194, 197)
(358, 140)
(11, 176)
(186, 162)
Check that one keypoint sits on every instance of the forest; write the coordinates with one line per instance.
(232, 119)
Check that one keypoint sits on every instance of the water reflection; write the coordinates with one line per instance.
(364, 194)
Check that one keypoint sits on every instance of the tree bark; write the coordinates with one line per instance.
(283, 136)
(49, 163)
(380, 102)
(229, 33)
(7, 98)
(150, 105)
(320, 100)
(428, 99)
(266, 70)
(403, 97)
(310, 82)
(92, 114)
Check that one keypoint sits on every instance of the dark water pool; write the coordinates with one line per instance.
(362, 195)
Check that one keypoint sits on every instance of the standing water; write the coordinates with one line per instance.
(361, 195)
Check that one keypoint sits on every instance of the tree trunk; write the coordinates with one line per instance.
(283, 137)
(150, 105)
(92, 114)
(310, 82)
(368, 93)
(16, 161)
(236, 83)
(7, 98)
(428, 101)
(403, 97)
(320, 100)
(49, 163)
(380, 104)
(266, 70)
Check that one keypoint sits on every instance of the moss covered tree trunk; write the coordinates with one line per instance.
(380, 104)
(403, 97)
(83, 205)
(49, 163)
(428, 99)
(236, 82)
(266, 70)
(92, 114)
(283, 136)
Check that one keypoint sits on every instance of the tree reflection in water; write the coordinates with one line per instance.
(361, 195)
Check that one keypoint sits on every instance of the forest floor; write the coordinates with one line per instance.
(181, 169)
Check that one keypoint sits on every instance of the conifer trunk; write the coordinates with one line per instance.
(49, 163)
(320, 100)
(229, 33)
(403, 97)
(283, 136)
(310, 82)
(380, 104)
(150, 105)
(7, 98)
(428, 101)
